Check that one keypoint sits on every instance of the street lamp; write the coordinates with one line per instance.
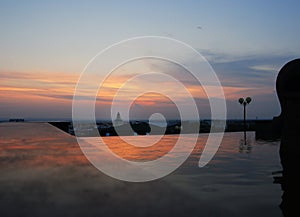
(245, 102)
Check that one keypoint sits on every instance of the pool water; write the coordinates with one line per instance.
(43, 172)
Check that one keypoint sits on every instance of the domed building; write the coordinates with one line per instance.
(118, 121)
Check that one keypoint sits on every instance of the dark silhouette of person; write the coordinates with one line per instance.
(288, 91)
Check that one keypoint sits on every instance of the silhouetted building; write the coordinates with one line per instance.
(16, 120)
(118, 121)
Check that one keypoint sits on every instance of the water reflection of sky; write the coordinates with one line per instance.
(46, 174)
(261, 158)
(233, 153)
(239, 177)
(238, 180)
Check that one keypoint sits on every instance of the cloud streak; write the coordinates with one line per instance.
(240, 77)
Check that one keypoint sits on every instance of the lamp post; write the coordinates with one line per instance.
(245, 102)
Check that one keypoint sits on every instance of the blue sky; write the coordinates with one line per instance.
(245, 41)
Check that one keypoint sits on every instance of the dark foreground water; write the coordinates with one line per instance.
(48, 176)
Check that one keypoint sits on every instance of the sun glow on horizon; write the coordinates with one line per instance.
(53, 92)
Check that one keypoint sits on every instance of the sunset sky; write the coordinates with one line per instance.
(45, 45)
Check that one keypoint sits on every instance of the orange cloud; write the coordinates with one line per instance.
(17, 85)
(57, 88)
